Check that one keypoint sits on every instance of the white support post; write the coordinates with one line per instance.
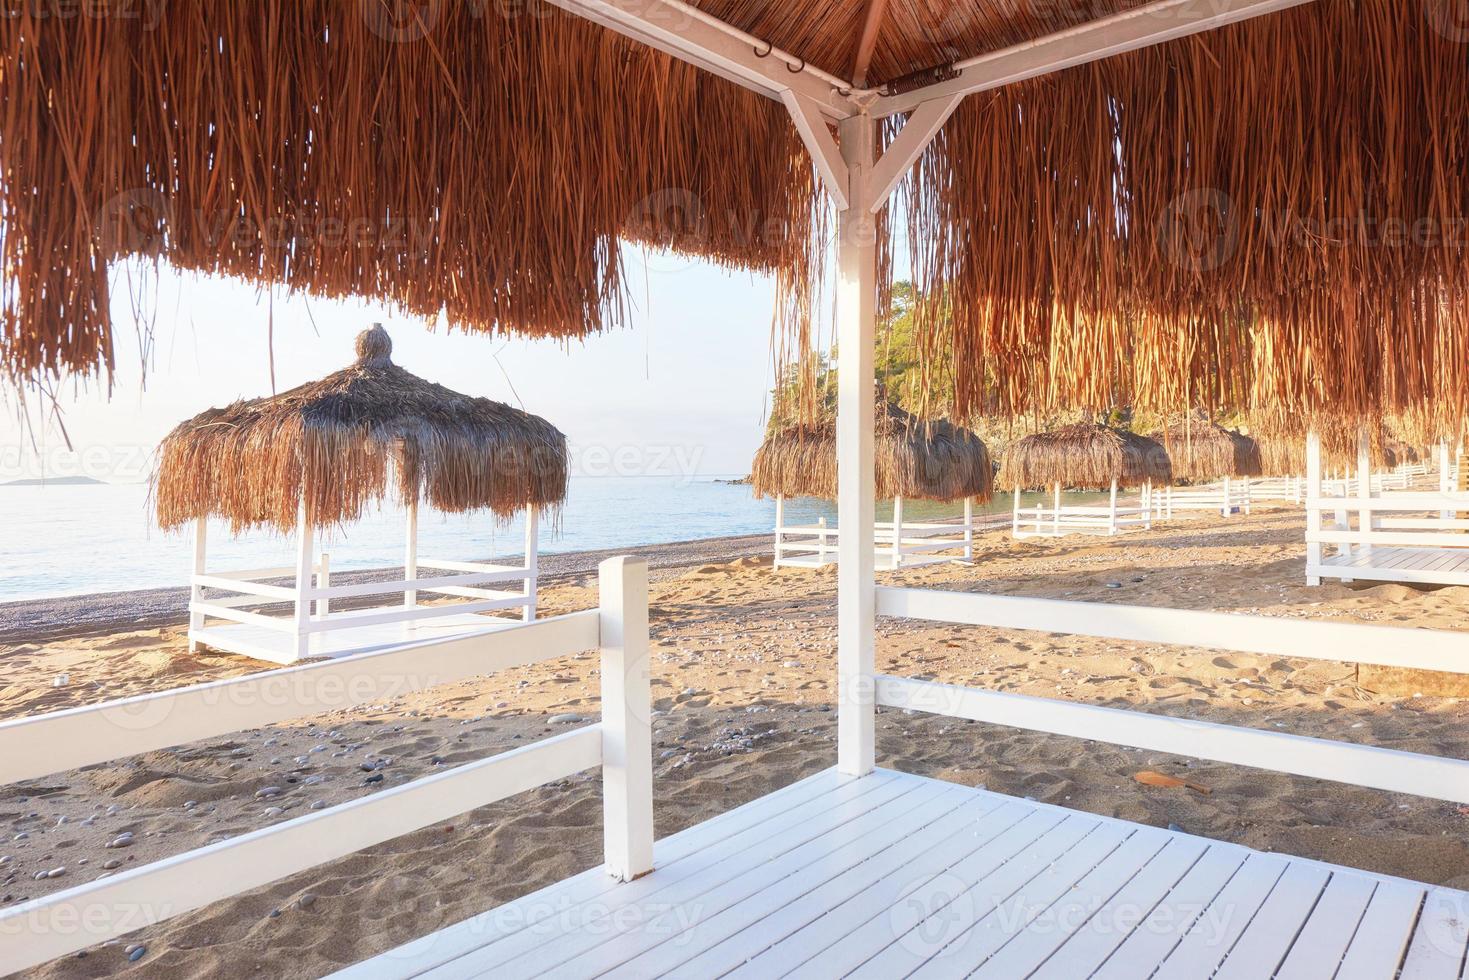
(1148, 504)
(897, 533)
(1445, 480)
(1112, 515)
(780, 523)
(1228, 499)
(324, 581)
(305, 545)
(821, 541)
(532, 563)
(196, 591)
(1364, 490)
(1056, 514)
(410, 555)
(856, 596)
(969, 529)
(1313, 510)
(627, 727)
(1015, 514)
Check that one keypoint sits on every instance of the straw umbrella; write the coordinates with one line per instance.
(916, 459)
(1201, 450)
(1084, 456)
(320, 454)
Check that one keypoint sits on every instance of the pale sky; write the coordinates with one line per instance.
(682, 391)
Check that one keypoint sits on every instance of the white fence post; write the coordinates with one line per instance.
(305, 544)
(780, 523)
(627, 735)
(532, 562)
(1056, 515)
(821, 541)
(1313, 506)
(196, 592)
(410, 554)
(968, 528)
(324, 581)
(1112, 511)
(1364, 490)
(897, 532)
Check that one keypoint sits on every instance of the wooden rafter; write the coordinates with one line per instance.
(871, 27)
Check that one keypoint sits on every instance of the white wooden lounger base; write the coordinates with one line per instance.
(892, 874)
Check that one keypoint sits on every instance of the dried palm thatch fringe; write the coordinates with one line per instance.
(916, 459)
(1085, 456)
(1202, 450)
(1268, 216)
(483, 165)
(353, 438)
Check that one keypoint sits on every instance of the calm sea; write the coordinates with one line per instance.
(74, 540)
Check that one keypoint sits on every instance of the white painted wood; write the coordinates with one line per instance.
(918, 131)
(84, 736)
(1112, 510)
(627, 732)
(1323, 940)
(1313, 515)
(1382, 937)
(856, 300)
(410, 554)
(699, 39)
(811, 124)
(45, 928)
(323, 586)
(196, 590)
(1344, 762)
(1210, 939)
(1154, 23)
(532, 563)
(1268, 938)
(1364, 490)
(305, 544)
(897, 540)
(1437, 951)
(969, 529)
(1383, 646)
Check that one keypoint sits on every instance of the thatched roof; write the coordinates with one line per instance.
(916, 459)
(1086, 456)
(1202, 450)
(353, 438)
(1271, 208)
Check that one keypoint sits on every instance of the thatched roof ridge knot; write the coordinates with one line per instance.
(374, 347)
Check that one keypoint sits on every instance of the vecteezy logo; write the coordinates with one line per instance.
(1198, 230)
(401, 21)
(1450, 18)
(134, 222)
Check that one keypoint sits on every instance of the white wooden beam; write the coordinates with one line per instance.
(1155, 23)
(856, 312)
(825, 154)
(699, 39)
(867, 45)
(922, 125)
(627, 718)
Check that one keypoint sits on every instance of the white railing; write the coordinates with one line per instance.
(899, 543)
(1358, 538)
(1227, 497)
(42, 929)
(1055, 519)
(1396, 771)
(1292, 488)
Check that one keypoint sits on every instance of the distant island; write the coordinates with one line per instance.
(59, 481)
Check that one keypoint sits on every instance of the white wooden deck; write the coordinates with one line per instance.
(895, 875)
(1432, 566)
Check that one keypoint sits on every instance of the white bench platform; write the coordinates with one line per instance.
(1428, 566)
(893, 875)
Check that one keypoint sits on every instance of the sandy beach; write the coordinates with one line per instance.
(743, 678)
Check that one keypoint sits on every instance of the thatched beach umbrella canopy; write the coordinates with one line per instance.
(1085, 456)
(917, 459)
(364, 434)
(1202, 450)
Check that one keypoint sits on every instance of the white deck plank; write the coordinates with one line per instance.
(1273, 931)
(1381, 940)
(1051, 898)
(715, 950)
(1152, 941)
(799, 800)
(783, 941)
(920, 928)
(1438, 947)
(839, 945)
(898, 875)
(1324, 939)
(813, 863)
(1210, 940)
(582, 927)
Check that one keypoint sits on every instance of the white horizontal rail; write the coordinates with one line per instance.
(231, 611)
(1383, 646)
(469, 566)
(284, 593)
(251, 574)
(416, 584)
(1393, 501)
(400, 614)
(117, 729)
(1418, 539)
(43, 929)
(1343, 762)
